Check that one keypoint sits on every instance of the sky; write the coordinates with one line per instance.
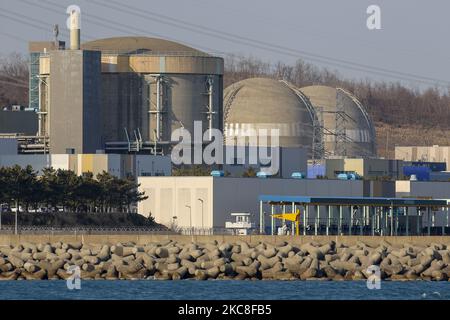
(412, 45)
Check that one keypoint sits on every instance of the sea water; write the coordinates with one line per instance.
(224, 290)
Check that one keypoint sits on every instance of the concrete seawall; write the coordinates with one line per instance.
(297, 240)
(172, 257)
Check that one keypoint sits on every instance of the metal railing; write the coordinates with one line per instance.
(85, 230)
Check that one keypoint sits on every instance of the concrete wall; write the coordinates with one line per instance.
(8, 146)
(169, 196)
(144, 239)
(25, 122)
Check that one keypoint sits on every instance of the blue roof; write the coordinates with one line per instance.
(378, 201)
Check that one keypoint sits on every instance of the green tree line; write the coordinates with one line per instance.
(63, 189)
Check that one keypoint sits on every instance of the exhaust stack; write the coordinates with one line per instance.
(74, 30)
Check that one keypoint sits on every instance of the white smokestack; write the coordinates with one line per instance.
(74, 30)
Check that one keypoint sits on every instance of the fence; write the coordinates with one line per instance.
(95, 230)
(86, 230)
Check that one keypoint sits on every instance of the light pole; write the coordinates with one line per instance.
(190, 216)
(201, 200)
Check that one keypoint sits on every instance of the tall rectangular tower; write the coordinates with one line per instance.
(75, 120)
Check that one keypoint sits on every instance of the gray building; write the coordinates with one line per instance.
(18, 122)
(74, 113)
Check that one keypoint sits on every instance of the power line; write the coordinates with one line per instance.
(115, 25)
(245, 40)
(386, 73)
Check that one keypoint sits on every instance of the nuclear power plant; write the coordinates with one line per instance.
(128, 94)
(112, 105)
(124, 94)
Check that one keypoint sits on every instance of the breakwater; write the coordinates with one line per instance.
(202, 258)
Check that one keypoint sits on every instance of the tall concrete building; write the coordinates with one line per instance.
(74, 121)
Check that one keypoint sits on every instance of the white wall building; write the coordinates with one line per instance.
(207, 202)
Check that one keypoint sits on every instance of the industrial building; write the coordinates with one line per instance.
(348, 130)
(207, 202)
(334, 215)
(365, 168)
(424, 153)
(119, 165)
(124, 94)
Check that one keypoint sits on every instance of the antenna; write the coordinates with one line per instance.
(55, 35)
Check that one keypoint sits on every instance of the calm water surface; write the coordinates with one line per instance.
(223, 289)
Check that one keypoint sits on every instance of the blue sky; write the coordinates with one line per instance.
(412, 45)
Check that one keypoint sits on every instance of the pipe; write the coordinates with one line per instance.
(74, 30)
(211, 107)
(158, 107)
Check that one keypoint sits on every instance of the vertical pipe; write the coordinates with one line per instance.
(363, 221)
(418, 222)
(293, 223)
(272, 222)
(40, 108)
(351, 221)
(261, 219)
(433, 219)
(317, 220)
(340, 221)
(328, 220)
(304, 220)
(447, 215)
(158, 106)
(372, 213)
(407, 220)
(391, 212)
(211, 110)
(428, 220)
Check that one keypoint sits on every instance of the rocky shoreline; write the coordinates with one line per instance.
(239, 260)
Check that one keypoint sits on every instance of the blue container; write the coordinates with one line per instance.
(434, 166)
(422, 172)
(217, 173)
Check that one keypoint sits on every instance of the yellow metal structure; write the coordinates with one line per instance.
(293, 217)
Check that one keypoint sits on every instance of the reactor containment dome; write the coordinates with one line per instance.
(348, 130)
(260, 103)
